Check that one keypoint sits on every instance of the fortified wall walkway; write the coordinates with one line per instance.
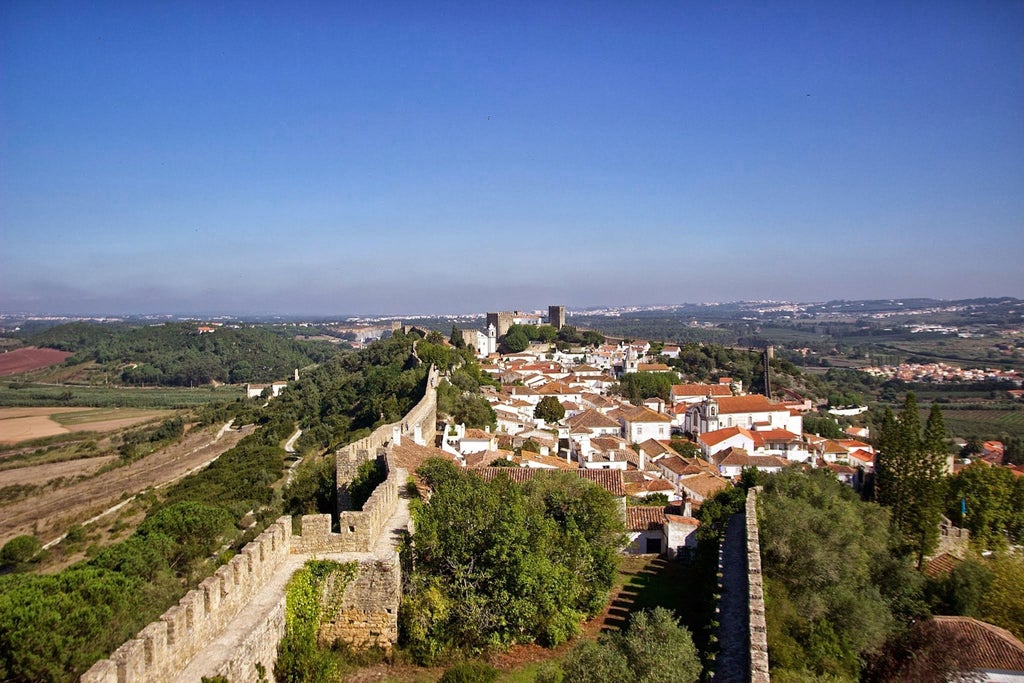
(269, 599)
(231, 624)
(742, 629)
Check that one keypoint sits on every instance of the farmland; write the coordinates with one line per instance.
(25, 424)
(24, 395)
(29, 359)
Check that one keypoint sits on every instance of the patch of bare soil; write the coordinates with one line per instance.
(40, 474)
(28, 359)
(49, 514)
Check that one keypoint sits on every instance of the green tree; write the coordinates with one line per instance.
(549, 409)
(498, 563)
(831, 583)
(515, 341)
(19, 550)
(1013, 450)
(911, 475)
(987, 494)
(823, 425)
(653, 649)
(1004, 601)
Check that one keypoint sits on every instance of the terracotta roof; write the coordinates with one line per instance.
(549, 461)
(701, 390)
(680, 519)
(598, 399)
(941, 564)
(837, 468)
(862, 456)
(555, 388)
(477, 435)
(719, 435)
(705, 485)
(988, 646)
(653, 367)
(645, 518)
(733, 456)
(608, 442)
(609, 480)
(753, 403)
(763, 436)
(411, 455)
(654, 447)
(591, 419)
(674, 463)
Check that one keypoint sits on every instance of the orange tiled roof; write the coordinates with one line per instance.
(753, 403)
(592, 419)
(719, 435)
(701, 390)
(705, 484)
(609, 480)
(645, 518)
(941, 564)
(990, 647)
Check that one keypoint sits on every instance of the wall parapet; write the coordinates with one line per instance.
(164, 647)
(367, 610)
(755, 595)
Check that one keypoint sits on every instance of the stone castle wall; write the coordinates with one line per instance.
(162, 649)
(755, 596)
(369, 608)
(366, 614)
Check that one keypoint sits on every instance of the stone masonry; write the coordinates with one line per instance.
(235, 618)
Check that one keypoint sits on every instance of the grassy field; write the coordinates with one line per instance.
(84, 417)
(19, 395)
(983, 423)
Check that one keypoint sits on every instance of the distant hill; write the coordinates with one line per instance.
(179, 354)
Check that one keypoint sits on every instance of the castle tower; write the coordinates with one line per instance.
(556, 317)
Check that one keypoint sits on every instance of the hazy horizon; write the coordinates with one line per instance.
(403, 158)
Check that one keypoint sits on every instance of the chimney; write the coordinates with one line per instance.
(417, 435)
(640, 451)
(396, 435)
(687, 510)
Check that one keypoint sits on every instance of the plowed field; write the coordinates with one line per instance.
(28, 359)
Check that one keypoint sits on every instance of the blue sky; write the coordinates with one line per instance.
(325, 158)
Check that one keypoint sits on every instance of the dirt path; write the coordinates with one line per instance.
(48, 515)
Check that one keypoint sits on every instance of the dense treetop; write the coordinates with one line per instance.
(177, 354)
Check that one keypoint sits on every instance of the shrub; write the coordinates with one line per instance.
(19, 550)
(470, 672)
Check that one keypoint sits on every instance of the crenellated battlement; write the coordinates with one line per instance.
(162, 648)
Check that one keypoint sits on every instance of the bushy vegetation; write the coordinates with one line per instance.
(993, 500)
(54, 627)
(637, 386)
(176, 354)
(497, 563)
(299, 659)
(654, 648)
(835, 588)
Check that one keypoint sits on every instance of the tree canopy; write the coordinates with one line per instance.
(834, 590)
(549, 409)
(497, 563)
(911, 475)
